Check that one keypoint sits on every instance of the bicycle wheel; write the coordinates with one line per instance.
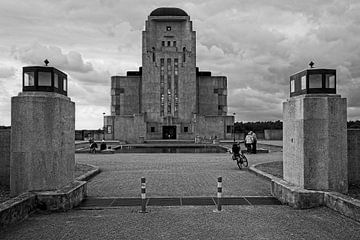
(239, 163)
(244, 160)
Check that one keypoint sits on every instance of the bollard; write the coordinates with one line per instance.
(219, 192)
(143, 195)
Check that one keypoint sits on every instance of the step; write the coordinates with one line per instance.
(100, 202)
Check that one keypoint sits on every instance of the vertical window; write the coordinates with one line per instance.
(330, 81)
(152, 129)
(176, 85)
(44, 79)
(303, 82)
(29, 79)
(163, 43)
(292, 86)
(56, 80)
(162, 90)
(169, 97)
(109, 129)
(168, 43)
(153, 54)
(174, 43)
(184, 51)
(65, 84)
(186, 129)
(315, 81)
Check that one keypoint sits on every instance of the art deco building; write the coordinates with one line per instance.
(168, 98)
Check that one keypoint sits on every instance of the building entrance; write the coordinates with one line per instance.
(169, 132)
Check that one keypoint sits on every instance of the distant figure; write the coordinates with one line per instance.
(254, 142)
(249, 141)
(93, 147)
(236, 150)
(103, 145)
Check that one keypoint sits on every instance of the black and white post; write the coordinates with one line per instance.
(219, 193)
(143, 195)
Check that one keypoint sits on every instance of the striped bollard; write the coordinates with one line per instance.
(219, 192)
(143, 195)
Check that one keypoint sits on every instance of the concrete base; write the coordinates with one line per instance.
(63, 199)
(42, 142)
(315, 142)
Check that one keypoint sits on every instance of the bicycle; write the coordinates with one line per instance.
(241, 160)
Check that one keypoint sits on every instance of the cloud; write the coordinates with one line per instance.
(6, 71)
(37, 53)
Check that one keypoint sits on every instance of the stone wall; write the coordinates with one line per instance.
(354, 156)
(273, 134)
(211, 126)
(5, 156)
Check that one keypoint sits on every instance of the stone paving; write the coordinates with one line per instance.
(182, 175)
(173, 175)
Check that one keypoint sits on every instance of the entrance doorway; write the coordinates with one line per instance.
(169, 132)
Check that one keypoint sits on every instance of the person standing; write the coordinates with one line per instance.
(249, 141)
(254, 142)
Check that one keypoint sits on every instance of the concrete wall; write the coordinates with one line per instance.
(211, 126)
(212, 95)
(5, 156)
(125, 95)
(315, 142)
(130, 128)
(354, 156)
(42, 142)
(273, 134)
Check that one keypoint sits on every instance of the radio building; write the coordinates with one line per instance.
(168, 97)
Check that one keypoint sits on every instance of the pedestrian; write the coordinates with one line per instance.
(102, 145)
(93, 147)
(254, 142)
(249, 142)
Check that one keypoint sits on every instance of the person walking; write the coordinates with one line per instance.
(249, 142)
(254, 142)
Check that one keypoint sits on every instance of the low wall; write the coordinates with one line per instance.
(273, 134)
(5, 135)
(353, 156)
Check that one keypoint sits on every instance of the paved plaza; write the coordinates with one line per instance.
(176, 175)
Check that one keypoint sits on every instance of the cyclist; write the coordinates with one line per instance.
(236, 150)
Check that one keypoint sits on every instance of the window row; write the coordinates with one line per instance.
(168, 43)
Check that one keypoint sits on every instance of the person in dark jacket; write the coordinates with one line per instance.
(236, 150)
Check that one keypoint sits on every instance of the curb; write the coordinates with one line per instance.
(300, 198)
(90, 174)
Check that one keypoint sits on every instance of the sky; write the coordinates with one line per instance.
(257, 44)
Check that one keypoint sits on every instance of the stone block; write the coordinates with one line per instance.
(315, 142)
(346, 205)
(354, 156)
(42, 142)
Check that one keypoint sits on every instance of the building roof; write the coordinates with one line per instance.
(168, 11)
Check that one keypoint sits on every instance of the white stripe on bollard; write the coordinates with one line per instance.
(143, 195)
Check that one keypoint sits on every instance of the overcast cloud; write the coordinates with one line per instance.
(257, 44)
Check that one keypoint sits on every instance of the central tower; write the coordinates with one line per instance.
(168, 98)
(169, 58)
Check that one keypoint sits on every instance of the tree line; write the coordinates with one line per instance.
(261, 126)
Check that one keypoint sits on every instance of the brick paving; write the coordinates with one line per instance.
(172, 175)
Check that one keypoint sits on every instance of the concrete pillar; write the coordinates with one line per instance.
(42, 141)
(315, 142)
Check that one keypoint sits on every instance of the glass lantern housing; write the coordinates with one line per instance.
(44, 79)
(313, 81)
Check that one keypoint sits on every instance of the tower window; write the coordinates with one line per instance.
(153, 54)
(163, 43)
(184, 51)
(186, 129)
(152, 129)
(168, 43)
(174, 43)
(168, 28)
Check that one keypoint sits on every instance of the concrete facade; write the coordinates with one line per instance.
(5, 136)
(42, 142)
(273, 134)
(315, 142)
(168, 91)
(353, 156)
